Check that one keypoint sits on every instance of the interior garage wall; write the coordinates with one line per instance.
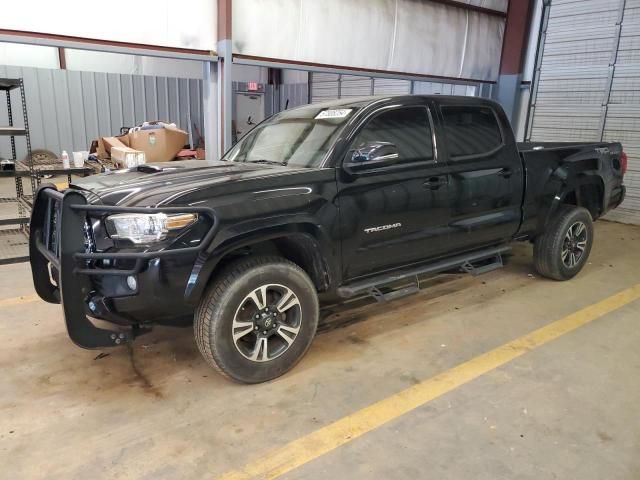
(68, 109)
(587, 82)
(392, 35)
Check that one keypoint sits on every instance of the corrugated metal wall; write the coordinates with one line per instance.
(69, 109)
(324, 86)
(295, 93)
(587, 82)
(330, 86)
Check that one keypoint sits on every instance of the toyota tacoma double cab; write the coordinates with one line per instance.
(322, 202)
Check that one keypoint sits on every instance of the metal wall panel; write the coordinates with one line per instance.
(68, 109)
(587, 83)
(391, 86)
(325, 86)
(355, 86)
(288, 96)
(623, 113)
(436, 88)
(293, 95)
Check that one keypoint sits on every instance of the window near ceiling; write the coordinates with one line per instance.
(470, 131)
(407, 128)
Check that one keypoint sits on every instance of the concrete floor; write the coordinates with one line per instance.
(568, 409)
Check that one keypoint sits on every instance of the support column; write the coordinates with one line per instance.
(211, 110)
(514, 47)
(225, 78)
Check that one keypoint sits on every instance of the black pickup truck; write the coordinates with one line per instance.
(321, 202)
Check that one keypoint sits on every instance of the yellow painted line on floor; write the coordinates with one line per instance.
(9, 302)
(62, 185)
(347, 429)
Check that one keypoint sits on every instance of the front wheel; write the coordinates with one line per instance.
(257, 319)
(563, 249)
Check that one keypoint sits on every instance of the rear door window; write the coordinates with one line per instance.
(470, 131)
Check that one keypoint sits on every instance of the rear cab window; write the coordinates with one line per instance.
(470, 131)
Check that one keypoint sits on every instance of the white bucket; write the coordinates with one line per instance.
(78, 159)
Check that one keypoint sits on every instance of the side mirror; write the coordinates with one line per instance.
(371, 155)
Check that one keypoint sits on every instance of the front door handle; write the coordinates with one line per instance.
(435, 182)
(505, 172)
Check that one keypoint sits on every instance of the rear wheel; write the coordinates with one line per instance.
(562, 251)
(258, 319)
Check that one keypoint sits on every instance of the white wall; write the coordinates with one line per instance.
(87, 61)
(294, 76)
(14, 54)
(498, 5)
(28, 55)
(249, 73)
(397, 35)
(182, 24)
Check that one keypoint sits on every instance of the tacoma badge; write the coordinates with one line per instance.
(382, 227)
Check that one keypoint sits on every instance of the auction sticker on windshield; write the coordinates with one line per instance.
(335, 113)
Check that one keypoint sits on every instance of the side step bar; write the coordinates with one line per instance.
(371, 286)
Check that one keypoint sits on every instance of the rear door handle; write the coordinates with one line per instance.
(435, 182)
(505, 172)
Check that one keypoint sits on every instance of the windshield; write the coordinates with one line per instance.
(300, 137)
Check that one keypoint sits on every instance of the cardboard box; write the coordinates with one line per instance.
(159, 144)
(127, 157)
(105, 144)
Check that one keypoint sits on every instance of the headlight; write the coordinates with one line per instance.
(147, 227)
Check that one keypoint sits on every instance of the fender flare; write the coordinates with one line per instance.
(567, 186)
(318, 246)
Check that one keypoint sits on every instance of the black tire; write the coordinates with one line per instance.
(549, 251)
(226, 298)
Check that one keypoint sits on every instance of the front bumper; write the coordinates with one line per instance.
(63, 266)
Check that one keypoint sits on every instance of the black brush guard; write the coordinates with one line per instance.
(64, 251)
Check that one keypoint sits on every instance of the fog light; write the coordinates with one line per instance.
(132, 283)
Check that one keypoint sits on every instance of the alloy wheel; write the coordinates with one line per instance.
(574, 244)
(266, 322)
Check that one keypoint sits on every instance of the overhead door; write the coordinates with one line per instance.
(324, 86)
(587, 82)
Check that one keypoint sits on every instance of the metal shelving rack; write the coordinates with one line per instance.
(14, 241)
(14, 229)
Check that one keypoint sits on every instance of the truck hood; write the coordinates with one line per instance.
(157, 183)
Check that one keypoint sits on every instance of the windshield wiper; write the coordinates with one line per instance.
(264, 160)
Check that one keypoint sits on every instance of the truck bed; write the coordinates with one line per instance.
(535, 146)
(594, 170)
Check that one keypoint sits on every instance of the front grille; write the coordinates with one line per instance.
(51, 233)
(89, 242)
